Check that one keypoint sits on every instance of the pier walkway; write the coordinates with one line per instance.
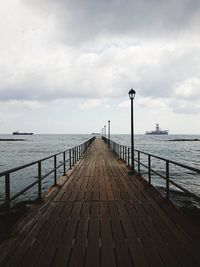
(104, 217)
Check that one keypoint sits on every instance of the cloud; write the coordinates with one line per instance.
(189, 89)
(30, 105)
(94, 19)
(153, 103)
(89, 104)
(181, 106)
(124, 104)
(100, 49)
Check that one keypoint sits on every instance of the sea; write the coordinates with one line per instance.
(35, 147)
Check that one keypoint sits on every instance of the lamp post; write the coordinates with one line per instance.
(132, 96)
(105, 130)
(109, 132)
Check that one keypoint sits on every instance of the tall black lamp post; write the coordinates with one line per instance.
(109, 132)
(132, 96)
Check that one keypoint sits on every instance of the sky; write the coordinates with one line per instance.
(67, 66)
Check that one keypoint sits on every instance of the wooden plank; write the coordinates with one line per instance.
(175, 244)
(109, 190)
(107, 244)
(157, 241)
(19, 249)
(65, 246)
(150, 252)
(47, 255)
(133, 241)
(80, 241)
(122, 251)
(93, 249)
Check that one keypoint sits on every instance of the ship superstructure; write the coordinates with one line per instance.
(158, 131)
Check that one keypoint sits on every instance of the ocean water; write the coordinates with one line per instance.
(35, 147)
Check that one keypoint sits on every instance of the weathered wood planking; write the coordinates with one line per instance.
(102, 217)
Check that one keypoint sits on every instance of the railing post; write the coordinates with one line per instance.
(138, 162)
(64, 167)
(73, 157)
(149, 168)
(128, 156)
(39, 181)
(70, 159)
(55, 170)
(7, 191)
(167, 180)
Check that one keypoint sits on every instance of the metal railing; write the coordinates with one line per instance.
(124, 153)
(71, 156)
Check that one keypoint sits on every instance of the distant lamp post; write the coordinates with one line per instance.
(105, 131)
(132, 96)
(109, 132)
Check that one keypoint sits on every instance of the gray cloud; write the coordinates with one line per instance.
(173, 68)
(80, 21)
(99, 49)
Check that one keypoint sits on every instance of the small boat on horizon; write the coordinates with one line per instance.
(95, 133)
(18, 133)
(158, 131)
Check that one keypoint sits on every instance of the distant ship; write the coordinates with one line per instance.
(158, 131)
(18, 133)
(95, 133)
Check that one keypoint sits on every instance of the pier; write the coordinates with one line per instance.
(101, 216)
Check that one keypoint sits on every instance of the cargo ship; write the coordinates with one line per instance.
(158, 131)
(18, 133)
(95, 133)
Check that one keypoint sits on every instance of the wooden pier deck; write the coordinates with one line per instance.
(102, 217)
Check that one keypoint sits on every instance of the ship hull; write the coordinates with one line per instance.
(22, 133)
(156, 133)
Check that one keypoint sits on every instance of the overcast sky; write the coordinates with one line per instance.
(67, 66)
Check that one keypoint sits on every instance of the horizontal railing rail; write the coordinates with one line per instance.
(124, 153)
(71, 155)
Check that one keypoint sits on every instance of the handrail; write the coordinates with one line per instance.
(123, 153)
(170, 161)
(74, 154)
(30, 164)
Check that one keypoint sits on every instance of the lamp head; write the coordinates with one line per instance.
(132, 94)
